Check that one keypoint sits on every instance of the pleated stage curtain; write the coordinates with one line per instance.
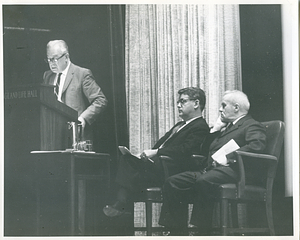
(169, 47)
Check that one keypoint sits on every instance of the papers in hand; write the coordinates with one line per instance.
(220, 155)
(125, 151)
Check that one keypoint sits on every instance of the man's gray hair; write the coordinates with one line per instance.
(240, 98)
(61, 43)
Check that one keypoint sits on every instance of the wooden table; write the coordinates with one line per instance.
(62, 178)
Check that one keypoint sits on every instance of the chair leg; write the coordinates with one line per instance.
(149, 218)
(224, 216)
(242, 215)
(270, 216)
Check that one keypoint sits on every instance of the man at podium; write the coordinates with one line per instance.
(74, 86)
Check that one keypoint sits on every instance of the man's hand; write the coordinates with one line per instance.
(218, 125)
(82, 122)
(149, 153)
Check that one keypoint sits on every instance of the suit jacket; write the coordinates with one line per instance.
(134, 174)
(249, 134)
(184, 143)
(80, 92)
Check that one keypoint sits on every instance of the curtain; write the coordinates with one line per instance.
(116, 14)
(169, 47)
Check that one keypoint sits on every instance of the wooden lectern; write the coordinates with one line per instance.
(52, 192)
(45, 117)
(54, 116)
(33, 120)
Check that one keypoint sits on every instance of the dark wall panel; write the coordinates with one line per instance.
(262, 60)
(262, 74)
(27, 29)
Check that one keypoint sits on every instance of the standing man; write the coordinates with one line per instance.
(75, 86)
(233, 123)
(183, 140)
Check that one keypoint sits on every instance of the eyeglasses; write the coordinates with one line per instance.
(183, 101)
(53, 60)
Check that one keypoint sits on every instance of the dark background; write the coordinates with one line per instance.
(262, 74)
(95, 35)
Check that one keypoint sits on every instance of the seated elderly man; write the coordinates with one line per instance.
(183, 140)
(234, 123)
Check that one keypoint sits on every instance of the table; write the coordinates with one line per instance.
(63, 184)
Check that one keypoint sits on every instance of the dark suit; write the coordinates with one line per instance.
(249, 135)
(80, 92)
(134, 174)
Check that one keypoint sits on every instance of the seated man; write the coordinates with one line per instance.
(183, 140)
(233, 123)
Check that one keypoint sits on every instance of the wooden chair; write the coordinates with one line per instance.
(240, 192)
(243, 192)
(149, 196)
(154, 194)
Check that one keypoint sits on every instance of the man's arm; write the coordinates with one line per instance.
(255, 139)
(95, 96)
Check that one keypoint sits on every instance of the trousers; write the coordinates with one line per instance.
(193, 187)
(134, 174)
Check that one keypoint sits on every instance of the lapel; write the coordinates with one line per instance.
(224, 137)
(69, 77)
(176, 128)
(235, 126)
(182, 129)
(171, 132)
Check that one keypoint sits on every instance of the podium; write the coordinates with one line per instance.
(43, 117)
(33, 120)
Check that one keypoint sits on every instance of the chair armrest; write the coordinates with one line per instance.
(164, 161)
(256, 155)
(165, 158)
(199, 157)
(199, 161)
(272, 160)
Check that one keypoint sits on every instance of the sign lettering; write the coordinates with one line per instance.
(21, 94)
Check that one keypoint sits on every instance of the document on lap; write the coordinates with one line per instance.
(220, 155)
(125, 151)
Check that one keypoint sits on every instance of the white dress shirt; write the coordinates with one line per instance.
(62, 81)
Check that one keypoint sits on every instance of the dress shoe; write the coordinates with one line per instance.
(115, 210)
(177, 232)
(110, 211)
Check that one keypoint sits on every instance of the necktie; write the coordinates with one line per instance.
(175, 129)
(228, 127)
(57, 84)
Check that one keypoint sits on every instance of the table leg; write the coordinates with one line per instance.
(72, 205)
(81, 205)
